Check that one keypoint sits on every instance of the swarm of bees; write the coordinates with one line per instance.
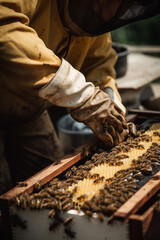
(59, 195)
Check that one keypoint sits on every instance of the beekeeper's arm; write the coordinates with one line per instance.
(23, 54)
(24, 58)
(87, 103)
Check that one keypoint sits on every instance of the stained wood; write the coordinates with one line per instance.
(138, 199)
(143, 220)
(145, 226)
(52, 170)
(148, 113)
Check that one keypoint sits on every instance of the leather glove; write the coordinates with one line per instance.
(114, 97)
(130, 126)
(104, 117)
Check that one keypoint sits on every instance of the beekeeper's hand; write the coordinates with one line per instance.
(130, 126)
(103, 116)
(87, 104)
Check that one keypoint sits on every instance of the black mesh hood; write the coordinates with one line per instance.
(95, 17)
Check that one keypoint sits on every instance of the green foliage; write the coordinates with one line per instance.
(144, 32)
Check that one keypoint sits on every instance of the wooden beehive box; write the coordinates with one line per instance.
(135, 219)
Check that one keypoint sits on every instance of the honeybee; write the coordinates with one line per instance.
(140, 147)
(68, 221)
(74, 190)
(155, 144)
(92, 176)
(42, 195)
(38, 203)
(122, 199)
(77, 178)
(100, 179)
(48, 205)
(67, 206)
(56, 162)
(156, 177)
(24, 204)
(70, 180)
(74, 169)
(156, 134)
(119, 163)
(100, 216)
(82, 197)
(107, 201)
(66, 201)
(147, 171)
(22, 184)
(86, 206)
(111, 208)
(88, 213)
(51, 213)
(32, 203)
(88, 162)
(123, 156)
(38, 185)
(138, 175)
(111, 219)
(130, 194)
(17, 201)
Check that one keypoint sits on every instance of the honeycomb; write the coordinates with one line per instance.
(88, 187)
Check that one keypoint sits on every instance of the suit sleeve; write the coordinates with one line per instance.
(98, 66)
(24, 58)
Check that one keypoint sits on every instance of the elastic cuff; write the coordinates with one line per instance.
(68, 88)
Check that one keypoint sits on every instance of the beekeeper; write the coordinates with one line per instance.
(58, 52)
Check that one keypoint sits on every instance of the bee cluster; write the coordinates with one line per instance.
(58, 195)
(118, 189)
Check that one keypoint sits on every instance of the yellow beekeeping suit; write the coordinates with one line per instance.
(32, 41)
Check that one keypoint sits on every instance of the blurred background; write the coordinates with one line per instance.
(146, 32)
(142, 37)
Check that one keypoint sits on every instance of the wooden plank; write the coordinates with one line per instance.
(131, 117)
(148, 113)
(142, 48)
(135, 229)
(141, 71)
(145, 226)
(51, 171)
(142, 221)
(138, 199)
(143, 218)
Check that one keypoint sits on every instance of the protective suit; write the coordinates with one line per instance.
(43, 61)
(32, 41)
